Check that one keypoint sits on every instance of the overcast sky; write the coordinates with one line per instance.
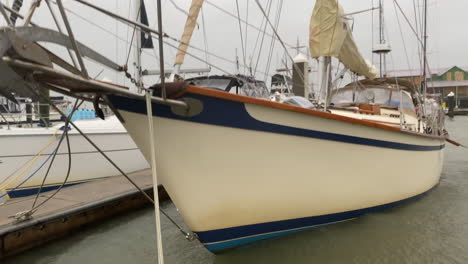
(447, 43)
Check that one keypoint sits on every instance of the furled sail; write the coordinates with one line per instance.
(188, 30)
(330, 35)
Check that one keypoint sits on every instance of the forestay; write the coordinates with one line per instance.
(330, 35)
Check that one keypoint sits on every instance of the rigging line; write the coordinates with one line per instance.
(128, 17)
(246, 27)
(167, 43)
(198, 58)
(205, 39)
(151, 32)
(128, 29)
(362, 11)
(372, 30)
(26, 166)
(170, 38)
(263, 37)
(179, 8)
(185, 12)
(250, 25)
(407, 20)
(116, 39)
(273, 40)
(201, 50)
(279, 38)
(30, 176)
(402, 38)
(131, 41)
(417, 28)
(113, 34)
(32, 90)
(241, 35)
(34, 209)
(64, 134)
(264, 29)
(133, 34)
(420, 19)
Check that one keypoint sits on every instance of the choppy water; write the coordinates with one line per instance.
(433, 229)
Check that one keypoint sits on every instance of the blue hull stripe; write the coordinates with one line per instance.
(221, 239)
(33, 191)
(233, 114)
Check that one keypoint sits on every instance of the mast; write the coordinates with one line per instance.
(382, 48)
(161, 51)
(325, 85)
(137, 49)
(381, 37)
(423, 83)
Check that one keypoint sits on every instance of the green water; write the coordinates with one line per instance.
(433, 229)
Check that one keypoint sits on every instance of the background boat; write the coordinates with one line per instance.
(26, 153)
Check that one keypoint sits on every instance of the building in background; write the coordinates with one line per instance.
(441, 81)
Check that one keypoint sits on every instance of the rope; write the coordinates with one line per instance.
(149, 115)
(64, 135)
(187, 234)
(34, 209)
(31, 162)
(30, 176)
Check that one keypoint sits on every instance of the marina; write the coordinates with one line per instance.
(240, 157)
(432, 229)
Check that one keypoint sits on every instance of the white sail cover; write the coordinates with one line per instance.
(188, 30)
(330, 35)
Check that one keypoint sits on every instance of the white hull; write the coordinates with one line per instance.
(222, 177)
(19, 157)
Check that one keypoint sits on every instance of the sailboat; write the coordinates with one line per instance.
(217, 152)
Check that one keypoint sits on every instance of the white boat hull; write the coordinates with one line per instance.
(19, 157)
(234, 185)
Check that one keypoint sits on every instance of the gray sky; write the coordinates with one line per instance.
(447, 36)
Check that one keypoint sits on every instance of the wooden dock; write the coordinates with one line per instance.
(71, 209)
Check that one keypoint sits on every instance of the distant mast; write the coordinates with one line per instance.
(382, 48)
(186, 36)
(423, 83)
(137, 50)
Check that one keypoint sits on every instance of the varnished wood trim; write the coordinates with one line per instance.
(311, 112)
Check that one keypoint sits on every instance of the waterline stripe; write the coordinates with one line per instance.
(255, 230)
